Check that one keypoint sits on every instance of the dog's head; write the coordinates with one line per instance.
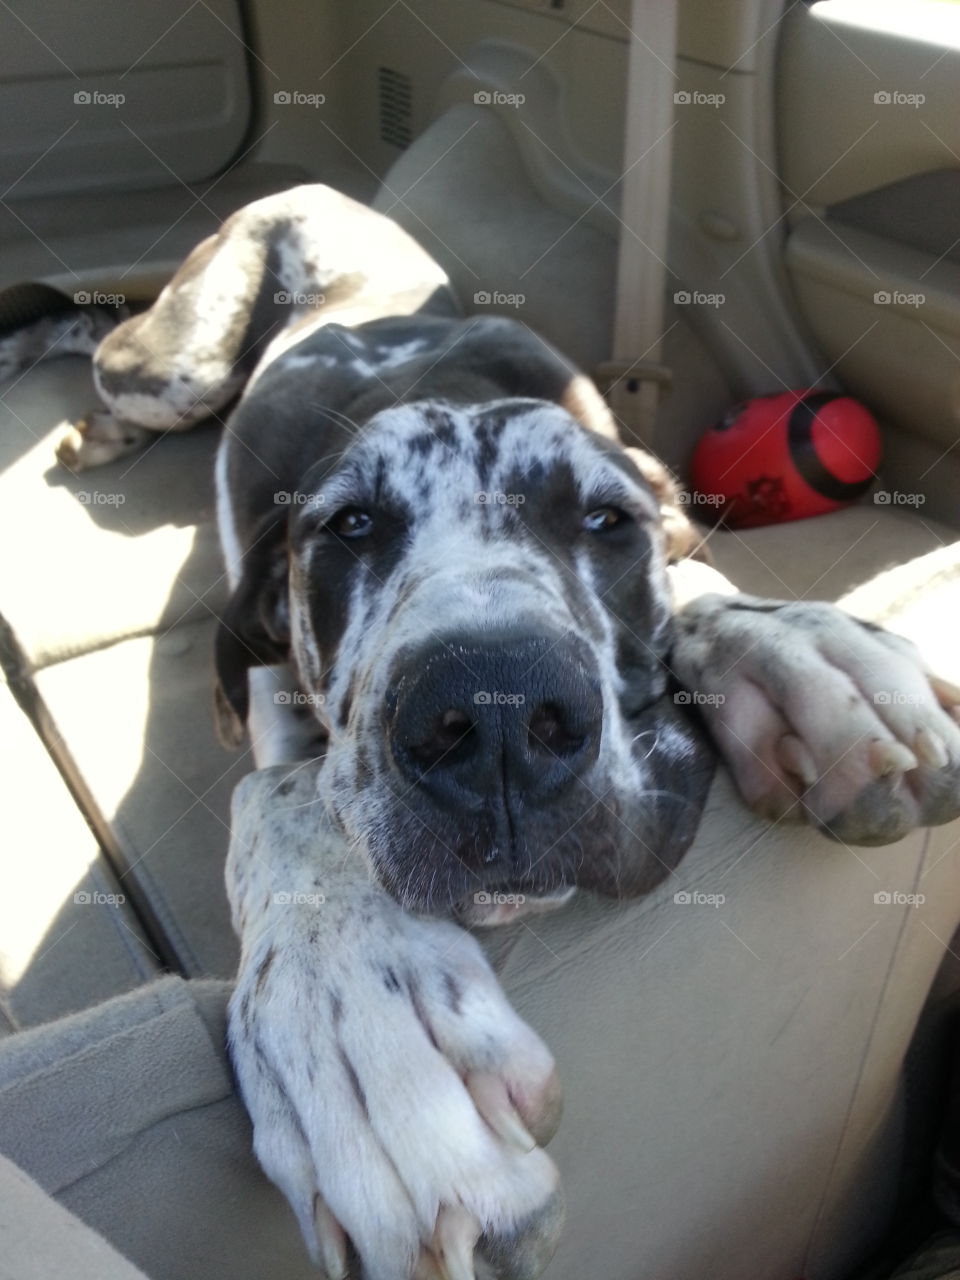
(476, 604)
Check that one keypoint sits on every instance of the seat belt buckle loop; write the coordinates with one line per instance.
(627, 376)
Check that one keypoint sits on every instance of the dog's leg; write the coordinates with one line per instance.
(821, 715)
(309, 250)
(396, 1097)
(168, 368)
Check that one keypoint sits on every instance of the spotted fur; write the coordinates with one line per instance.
(397, 1099)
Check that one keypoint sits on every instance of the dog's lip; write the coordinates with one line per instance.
(520, 889)
(500, 910)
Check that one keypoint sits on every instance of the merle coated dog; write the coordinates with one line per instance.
(454, 640)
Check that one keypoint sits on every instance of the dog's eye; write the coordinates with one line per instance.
(351, 523)
(603, 518)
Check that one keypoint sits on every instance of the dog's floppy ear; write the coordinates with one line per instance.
(254, 627)
(683, 537)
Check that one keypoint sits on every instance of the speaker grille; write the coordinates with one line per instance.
(396, 106)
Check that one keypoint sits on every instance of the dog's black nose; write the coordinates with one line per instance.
(515, 720)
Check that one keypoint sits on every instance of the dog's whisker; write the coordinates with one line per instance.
(651, 749)
(343, 419)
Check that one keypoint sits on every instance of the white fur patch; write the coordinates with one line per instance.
(226, 524)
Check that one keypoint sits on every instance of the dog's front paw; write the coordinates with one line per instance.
(817, 712)
(97, 439)
(397, 1099)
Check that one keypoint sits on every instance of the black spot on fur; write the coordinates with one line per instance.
(487, 434)
(347, 704)
(390, 980)
(285, 787)
(416, 1000)
(355, 1084)
(380, 478)
(754, 608)
(496, 423)
(337, 563)
(440, 424)
(263, 1062)
(336, 1008)
(447, 434)
(264, 969)
(364, 769)
(453, 991)
(422, 446)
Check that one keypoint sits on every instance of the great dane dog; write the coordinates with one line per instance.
(469, 687)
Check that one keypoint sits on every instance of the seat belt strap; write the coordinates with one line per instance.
(633, 379)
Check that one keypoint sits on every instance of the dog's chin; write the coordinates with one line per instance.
(428, 882)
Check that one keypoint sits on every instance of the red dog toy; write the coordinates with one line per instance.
(786, 457)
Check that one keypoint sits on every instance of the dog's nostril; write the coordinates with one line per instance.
(453, 725)
(549, 731)
(451, 728)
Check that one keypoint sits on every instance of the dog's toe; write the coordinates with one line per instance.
(98, 439)
(524, 1252)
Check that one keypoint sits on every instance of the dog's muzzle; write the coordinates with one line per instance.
(502, 726)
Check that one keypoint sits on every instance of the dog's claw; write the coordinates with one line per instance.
(948, 693)
(545, 1123)
(930, 749)
(454, 1241)
(331, 1239)
(886, 758)
(794, 757)
(69, 447)
(492, 1100)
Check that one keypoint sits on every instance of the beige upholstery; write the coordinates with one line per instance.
(126, 1115)
(66, 940)
(731, 1072)
(138, 718)
(121, 550)
(561, 269)
(41, 1239)
(823, 558)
